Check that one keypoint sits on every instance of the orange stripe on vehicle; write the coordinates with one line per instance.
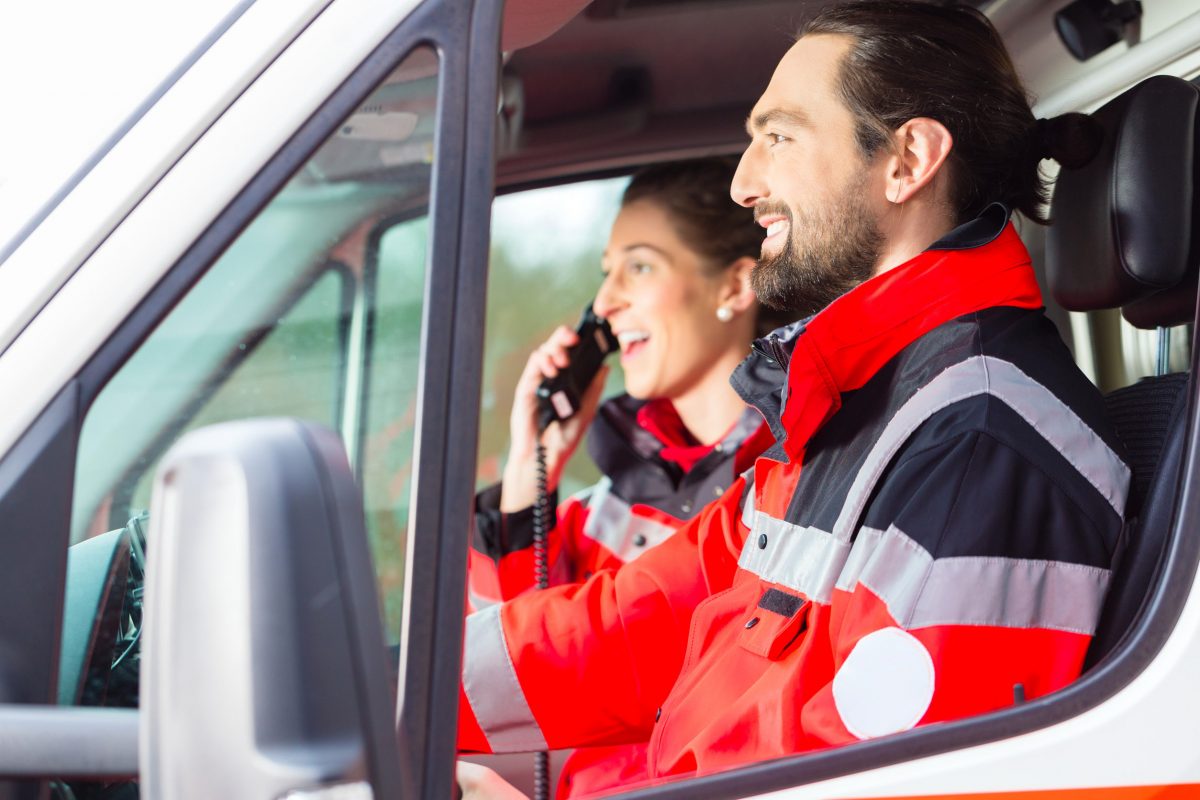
(1182, 791)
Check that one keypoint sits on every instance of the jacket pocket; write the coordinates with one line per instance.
(775, 623)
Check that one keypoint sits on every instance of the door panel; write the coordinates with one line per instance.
(286, 326)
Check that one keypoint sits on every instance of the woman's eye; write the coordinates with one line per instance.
(639, 267)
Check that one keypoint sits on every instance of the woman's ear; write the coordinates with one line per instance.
(921, 147)
(736, 292)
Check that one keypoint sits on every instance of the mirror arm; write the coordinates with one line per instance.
(57, 742)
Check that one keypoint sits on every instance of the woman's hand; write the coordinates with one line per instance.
(477, 782)
(519, 487)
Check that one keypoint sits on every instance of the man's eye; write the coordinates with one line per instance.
(776, 138)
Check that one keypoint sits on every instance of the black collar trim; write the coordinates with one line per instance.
(982, 230)
(761, 379)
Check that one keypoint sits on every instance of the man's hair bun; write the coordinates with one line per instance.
(1070, 139)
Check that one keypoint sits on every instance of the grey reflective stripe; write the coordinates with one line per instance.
(491, 685)
(606, 516)
(865, 545)
(612, 523)
(1036, 404)
(805, 560)
(479, 601)
(921, 592)
(895, 568)
(584, 496)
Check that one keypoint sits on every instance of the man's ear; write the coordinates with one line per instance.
(921, 147)
(735, 288)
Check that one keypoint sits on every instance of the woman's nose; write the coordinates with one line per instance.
(608, 298)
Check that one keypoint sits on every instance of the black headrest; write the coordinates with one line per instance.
(1126, 225)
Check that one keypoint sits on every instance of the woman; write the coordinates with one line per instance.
(677, 294)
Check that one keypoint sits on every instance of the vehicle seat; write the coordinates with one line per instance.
(1125, 235)
(1150, 419)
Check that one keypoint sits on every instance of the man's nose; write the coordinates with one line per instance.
(747, 187)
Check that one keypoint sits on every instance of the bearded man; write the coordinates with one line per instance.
(931, 535)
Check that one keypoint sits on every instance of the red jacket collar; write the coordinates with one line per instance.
(678, 445)
(844, 345)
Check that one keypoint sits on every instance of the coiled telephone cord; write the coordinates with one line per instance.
(541, 573)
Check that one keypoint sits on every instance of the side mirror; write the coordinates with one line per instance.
(264, 671)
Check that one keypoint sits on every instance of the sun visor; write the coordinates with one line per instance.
(527, 22)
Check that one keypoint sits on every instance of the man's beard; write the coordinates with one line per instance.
(828, 252)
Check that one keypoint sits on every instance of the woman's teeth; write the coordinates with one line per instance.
(631, 337)
(630, 340)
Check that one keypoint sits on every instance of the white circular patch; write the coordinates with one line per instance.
(886, 684)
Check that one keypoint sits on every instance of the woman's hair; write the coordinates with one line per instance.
(695, 195)
(947, 62)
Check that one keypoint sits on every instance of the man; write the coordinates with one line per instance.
(931, 535)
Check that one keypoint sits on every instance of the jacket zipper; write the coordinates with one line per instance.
(771, 349)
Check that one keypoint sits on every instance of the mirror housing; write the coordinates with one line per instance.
(264, 668)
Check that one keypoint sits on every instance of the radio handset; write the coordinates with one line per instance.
(560, 397)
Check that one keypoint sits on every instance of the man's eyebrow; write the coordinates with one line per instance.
(791, 117)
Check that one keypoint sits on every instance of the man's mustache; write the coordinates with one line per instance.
(771, 208)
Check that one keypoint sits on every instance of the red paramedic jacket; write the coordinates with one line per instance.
(933, 530)
(655, 478)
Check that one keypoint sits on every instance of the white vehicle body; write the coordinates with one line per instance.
(69, 283)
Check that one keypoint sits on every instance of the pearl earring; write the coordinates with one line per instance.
(724, 313)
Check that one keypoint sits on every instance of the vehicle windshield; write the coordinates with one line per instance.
(72, 97)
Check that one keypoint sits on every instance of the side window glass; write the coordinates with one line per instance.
(395, 280)
(1144, 352)
(544, 268)
(304, 315)
(291, 366)
(1113, 353)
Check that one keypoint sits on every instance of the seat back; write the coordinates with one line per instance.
(1149, 420)
(1125, 235)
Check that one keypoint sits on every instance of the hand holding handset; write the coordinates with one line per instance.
(560, 397)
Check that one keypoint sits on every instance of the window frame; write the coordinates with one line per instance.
(38, 470)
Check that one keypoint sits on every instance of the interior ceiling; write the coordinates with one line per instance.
(614, 83)
(627, 81)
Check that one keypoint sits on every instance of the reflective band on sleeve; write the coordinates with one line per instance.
(865, 546)
(491, 685)
(921, 592)
(478, 601)
(612, 522)
(584, 496)
(805, 560)
(1036, 404)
